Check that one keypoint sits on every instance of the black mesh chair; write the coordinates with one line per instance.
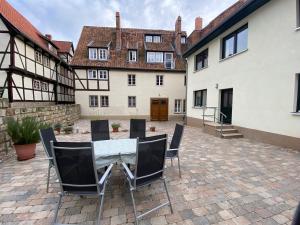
(296, 220)
(137, 128)
(149, 168)
(75, 166)
(46, 136)
(173, 151)
(100, 130)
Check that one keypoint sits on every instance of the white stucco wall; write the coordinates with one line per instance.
(263, 78)
(144, 90)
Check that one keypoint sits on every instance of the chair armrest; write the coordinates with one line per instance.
(106, 174)
(174, 149)
(47, 158)
(128, 172)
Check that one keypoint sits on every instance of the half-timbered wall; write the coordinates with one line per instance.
(83, 82)
(4, 58)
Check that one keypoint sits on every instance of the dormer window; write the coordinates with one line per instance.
(93, 53)
(102, 54)
(153, 38)
(183, 40)
(132, 55)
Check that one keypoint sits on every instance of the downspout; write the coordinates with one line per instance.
(186, 86)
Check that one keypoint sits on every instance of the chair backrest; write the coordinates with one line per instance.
(137, 128)
(100, 130)
(296, 220)
(150, 160)
(176, 139)
(75, 166)
(152, 138)
(46, 136)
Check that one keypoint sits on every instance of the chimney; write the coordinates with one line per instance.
(48, 36)
(198, 23)
(118, 31)
(178, 35)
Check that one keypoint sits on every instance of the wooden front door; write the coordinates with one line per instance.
(226, 104)
(159, 109)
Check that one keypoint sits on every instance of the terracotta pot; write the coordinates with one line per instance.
(25, 152)
(57, 130)
(152, 129)
(115, 129)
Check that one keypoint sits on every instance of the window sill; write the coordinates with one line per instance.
(229, 57)
(295, 113)
(198, 107)
(195, 71)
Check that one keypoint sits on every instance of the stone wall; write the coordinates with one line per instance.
(65, 114)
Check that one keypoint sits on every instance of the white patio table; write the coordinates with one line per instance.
(112, 151)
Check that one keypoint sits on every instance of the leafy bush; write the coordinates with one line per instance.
(115, 125)
(57, 126)
(24, 131)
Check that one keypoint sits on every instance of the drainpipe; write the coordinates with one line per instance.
(186, 86)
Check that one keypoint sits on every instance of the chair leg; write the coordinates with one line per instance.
(57, 208)
(134, 208)
(100, 211)
(179, 166)
(172, 162)
(168, 196)
(48, 176)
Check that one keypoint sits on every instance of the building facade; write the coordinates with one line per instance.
(130, 73)
(246, 64)
(33, 68)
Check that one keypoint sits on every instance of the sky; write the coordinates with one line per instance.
(64, 19)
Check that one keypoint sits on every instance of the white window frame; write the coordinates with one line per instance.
(93, 53)
(132, 101)
(159, 80)
(46, 61)
(103, 74)
(92, 74)
(36, 85)
(156, 39)
(183, 40)
(38, 57)
(148, 38)
(132, 55)
(177, 106)
(93, 101)
(155, 57)
(45, 86)
(131, 79)
(104, 101)
(102, 53)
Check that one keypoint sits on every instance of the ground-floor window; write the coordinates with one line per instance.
(179, 106)
(200, 98)
(93, 100)
(298, 93)
(131, 101)
(104, 101)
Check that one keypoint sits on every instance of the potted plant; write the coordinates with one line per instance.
(152, 128)
(57, 127)
(68, 130)
(115, 127)
(24, 134)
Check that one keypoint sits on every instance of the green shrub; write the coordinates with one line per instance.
(115, 125)
(25, 131)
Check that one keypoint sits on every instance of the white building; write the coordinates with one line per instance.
(33, 68)
(246, 63)
(130, 73)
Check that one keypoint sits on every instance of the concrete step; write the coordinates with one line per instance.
(218, 126)
(228, 130)
(232, 135)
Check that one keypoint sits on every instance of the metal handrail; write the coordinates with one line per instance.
(220, 120)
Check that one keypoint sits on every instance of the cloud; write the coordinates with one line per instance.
(65, 19)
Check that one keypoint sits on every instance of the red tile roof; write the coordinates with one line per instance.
(131, 39)
(63, 46)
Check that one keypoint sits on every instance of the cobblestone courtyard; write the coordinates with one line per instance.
(224, 182)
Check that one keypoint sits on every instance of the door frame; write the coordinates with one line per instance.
(159, 98)
(220, 102)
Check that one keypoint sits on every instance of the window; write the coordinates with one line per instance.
(298, 93)
(38, 57)
(155, 57)
(93, 99)
(103, 74)
(177, 108)
(183, 105)
(131, 101)
(201, 60)
(200, 98)
(159, 80)
(153, 38)
(131, 79)
(102, 54)
(183, 40)
(132, 55)
(93, 53)
(46, 61)
(104, 101)
(44, 86)
(36, 85)
(92, 74)
(235, 43)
